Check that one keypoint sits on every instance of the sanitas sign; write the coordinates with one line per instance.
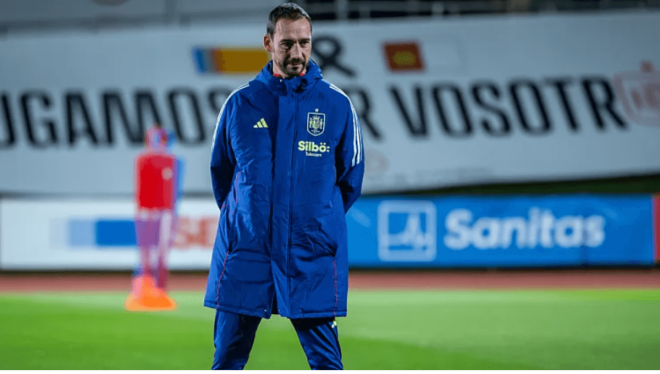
(539, 228)
(570, 230)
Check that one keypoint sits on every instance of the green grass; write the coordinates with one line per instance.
(607, 329)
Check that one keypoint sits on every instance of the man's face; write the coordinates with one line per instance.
(290, 46)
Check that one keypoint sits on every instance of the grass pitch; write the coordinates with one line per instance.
(593, 329)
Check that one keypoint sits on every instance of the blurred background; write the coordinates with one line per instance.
(512, 156)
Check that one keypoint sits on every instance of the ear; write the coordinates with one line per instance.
(268, 43)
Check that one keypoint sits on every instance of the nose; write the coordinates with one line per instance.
(296, 52)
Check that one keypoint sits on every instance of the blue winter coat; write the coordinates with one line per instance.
(287, 164)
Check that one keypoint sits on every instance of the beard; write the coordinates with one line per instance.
(289, 67)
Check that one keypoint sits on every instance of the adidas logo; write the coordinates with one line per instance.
(261, 124)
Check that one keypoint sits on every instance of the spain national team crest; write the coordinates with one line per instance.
(315, 123)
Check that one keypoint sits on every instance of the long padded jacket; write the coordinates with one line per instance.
(287, 164)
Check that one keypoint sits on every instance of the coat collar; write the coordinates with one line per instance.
(296, 84)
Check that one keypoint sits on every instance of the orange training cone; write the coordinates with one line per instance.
(147, 297)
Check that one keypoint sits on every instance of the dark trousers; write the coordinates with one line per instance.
(234, 336)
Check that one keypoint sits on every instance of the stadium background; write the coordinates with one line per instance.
(509, 218)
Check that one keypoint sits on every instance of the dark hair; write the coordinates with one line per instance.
(290, 11)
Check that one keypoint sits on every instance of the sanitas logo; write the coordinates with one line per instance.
(541, 227)
(312, 149)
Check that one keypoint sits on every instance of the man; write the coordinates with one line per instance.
(286, 166)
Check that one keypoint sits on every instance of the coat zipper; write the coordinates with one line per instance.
(270, 217)
(293, 154)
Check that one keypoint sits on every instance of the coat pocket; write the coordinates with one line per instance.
(321, 234)
(224, 238)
